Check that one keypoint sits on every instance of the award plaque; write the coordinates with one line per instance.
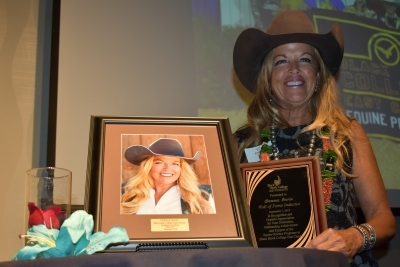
(286, 201)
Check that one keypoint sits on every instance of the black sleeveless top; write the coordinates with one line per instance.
(342, 214)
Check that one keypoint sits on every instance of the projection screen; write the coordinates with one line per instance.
(174, 58)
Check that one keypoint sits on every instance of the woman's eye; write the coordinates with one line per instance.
(177, 163)
(308, 60)
(158, 162)
(281, 61)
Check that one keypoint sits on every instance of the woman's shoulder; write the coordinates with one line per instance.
(205, 191)
(243, 131)
(206, 188)
(359, 135)
(357, 128)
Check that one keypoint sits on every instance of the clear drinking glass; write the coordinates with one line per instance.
(49, 188)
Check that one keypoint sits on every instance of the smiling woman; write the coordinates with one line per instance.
(291, 70)
(165, 182)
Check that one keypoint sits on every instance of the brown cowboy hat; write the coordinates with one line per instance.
(292, 26)
(161, 147)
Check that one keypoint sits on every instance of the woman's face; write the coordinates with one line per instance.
(165, 170)
(294, 74)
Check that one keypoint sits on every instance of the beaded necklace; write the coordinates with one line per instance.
(270, 151)
(275, 149)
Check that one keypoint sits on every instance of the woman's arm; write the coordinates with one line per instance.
(371, 195)
(369, 187)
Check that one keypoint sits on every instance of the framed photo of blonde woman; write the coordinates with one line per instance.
(166, 180)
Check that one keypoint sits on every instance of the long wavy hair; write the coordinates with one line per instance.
(137, 189)
(324, 107)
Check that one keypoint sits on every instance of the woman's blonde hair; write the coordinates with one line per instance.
(137, 189)
(324, 107)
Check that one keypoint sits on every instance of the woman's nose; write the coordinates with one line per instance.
(166, 165)
(294, 67)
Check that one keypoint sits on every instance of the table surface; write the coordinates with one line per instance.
(232, 257)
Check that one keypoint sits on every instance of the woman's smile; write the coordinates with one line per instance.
(294, 83)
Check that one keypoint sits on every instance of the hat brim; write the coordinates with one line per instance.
(253, 45)
(137, 153)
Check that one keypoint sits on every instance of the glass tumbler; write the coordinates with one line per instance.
(48, 196)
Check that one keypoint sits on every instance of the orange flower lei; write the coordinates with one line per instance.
(329, 156)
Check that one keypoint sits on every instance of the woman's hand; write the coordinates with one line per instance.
(347, 241)
(371, 195)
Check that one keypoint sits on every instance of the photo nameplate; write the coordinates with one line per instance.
(168, 225)
(286, 201)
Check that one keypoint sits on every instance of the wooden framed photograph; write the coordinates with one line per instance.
(286, 201)
(171, 182)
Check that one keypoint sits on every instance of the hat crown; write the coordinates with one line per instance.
(291, 21)
(170, 147)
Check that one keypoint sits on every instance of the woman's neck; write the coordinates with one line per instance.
(296, 117)
(160, 190)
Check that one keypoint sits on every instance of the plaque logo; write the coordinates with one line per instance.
(277, 185)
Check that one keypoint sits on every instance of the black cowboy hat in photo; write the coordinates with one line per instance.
(161, 147)
(292, 26)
